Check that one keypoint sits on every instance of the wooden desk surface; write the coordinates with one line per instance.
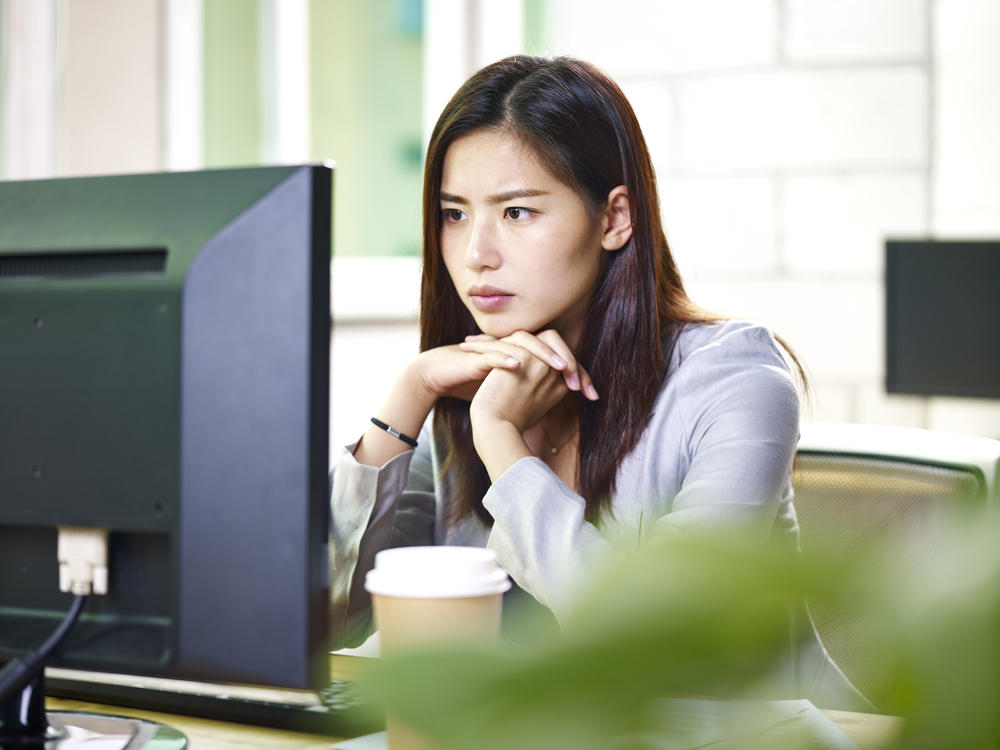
(867, 731)
(208, 734)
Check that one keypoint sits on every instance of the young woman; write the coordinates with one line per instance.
(567, 393)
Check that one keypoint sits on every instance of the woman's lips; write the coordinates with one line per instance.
(491, 302)
(489, 299)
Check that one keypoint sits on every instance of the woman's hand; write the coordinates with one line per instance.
(541, 369)
(549, 347)
(458, 372)
(511, 401)
(443, 371)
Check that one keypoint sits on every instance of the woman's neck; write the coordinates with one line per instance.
(558, 429)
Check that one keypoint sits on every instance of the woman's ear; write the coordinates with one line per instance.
(617, 220)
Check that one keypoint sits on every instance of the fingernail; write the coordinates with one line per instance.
(574, 381)
(591, 392)
(558, 361)
(512, 362)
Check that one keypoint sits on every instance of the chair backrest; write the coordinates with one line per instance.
(861, 485)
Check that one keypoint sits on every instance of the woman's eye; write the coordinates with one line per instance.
(516, 213)
(451, 214)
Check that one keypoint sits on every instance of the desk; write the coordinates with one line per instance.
(208, 734)
(867, 731)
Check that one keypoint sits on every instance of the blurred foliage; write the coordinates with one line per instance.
(710, 617)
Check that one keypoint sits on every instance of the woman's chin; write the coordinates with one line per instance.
(496, 330)
(500, 332)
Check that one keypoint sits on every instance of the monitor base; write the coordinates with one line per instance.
(26, 725)
(77, 730)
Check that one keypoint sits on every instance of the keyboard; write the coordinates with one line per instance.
(336, 710)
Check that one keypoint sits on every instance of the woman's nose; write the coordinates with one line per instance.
(482, 250)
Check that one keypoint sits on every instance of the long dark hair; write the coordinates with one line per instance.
(583, 130)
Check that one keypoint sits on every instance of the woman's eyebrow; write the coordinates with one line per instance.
(510, 195)
(507, 195)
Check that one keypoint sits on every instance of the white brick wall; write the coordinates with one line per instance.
(828, 400)
(375, 303)
(838, 223)
(967, 118)
(972, 416)
(803, 119)
(653, 102)
(880, 408)
(790, 139)
(720, 225)
(835, 327)
(839, 30)
(662, 37)
(365, 360)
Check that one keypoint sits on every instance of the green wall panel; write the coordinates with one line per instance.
(366, 98)
(233, 117)
(534, 27)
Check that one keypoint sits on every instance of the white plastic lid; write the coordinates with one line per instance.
(436, 572)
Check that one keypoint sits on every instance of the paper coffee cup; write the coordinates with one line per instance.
(427, 595)
(423, 596)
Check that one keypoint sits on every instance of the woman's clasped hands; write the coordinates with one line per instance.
(538, 370)
(511, 382)
(537, 358)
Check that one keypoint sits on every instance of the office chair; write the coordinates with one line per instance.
(859, 485)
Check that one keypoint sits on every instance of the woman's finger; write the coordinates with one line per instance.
(587, 386)
(499, 360)
(497, 348)
(540, 349)
(532, 350)
(577, 378)
(495, 345)
(548, 347)
(555, 342)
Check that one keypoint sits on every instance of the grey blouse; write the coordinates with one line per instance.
(718, 450)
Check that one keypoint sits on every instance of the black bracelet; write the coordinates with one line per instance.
(395, 433)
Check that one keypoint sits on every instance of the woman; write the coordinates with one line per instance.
(577, 395)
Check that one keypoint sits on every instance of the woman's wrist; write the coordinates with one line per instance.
(414, 383)
(409, 402)
(498, 442)
(405, 411)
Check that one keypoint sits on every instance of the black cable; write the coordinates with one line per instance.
(16, 675)
(74, 612)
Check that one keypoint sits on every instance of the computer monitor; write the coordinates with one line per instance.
(164, 375)
(943, 318)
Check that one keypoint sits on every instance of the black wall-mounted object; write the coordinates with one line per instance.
(942, 318)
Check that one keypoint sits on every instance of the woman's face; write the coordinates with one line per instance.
(521, 247)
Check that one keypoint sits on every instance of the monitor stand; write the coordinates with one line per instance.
(26, 724)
